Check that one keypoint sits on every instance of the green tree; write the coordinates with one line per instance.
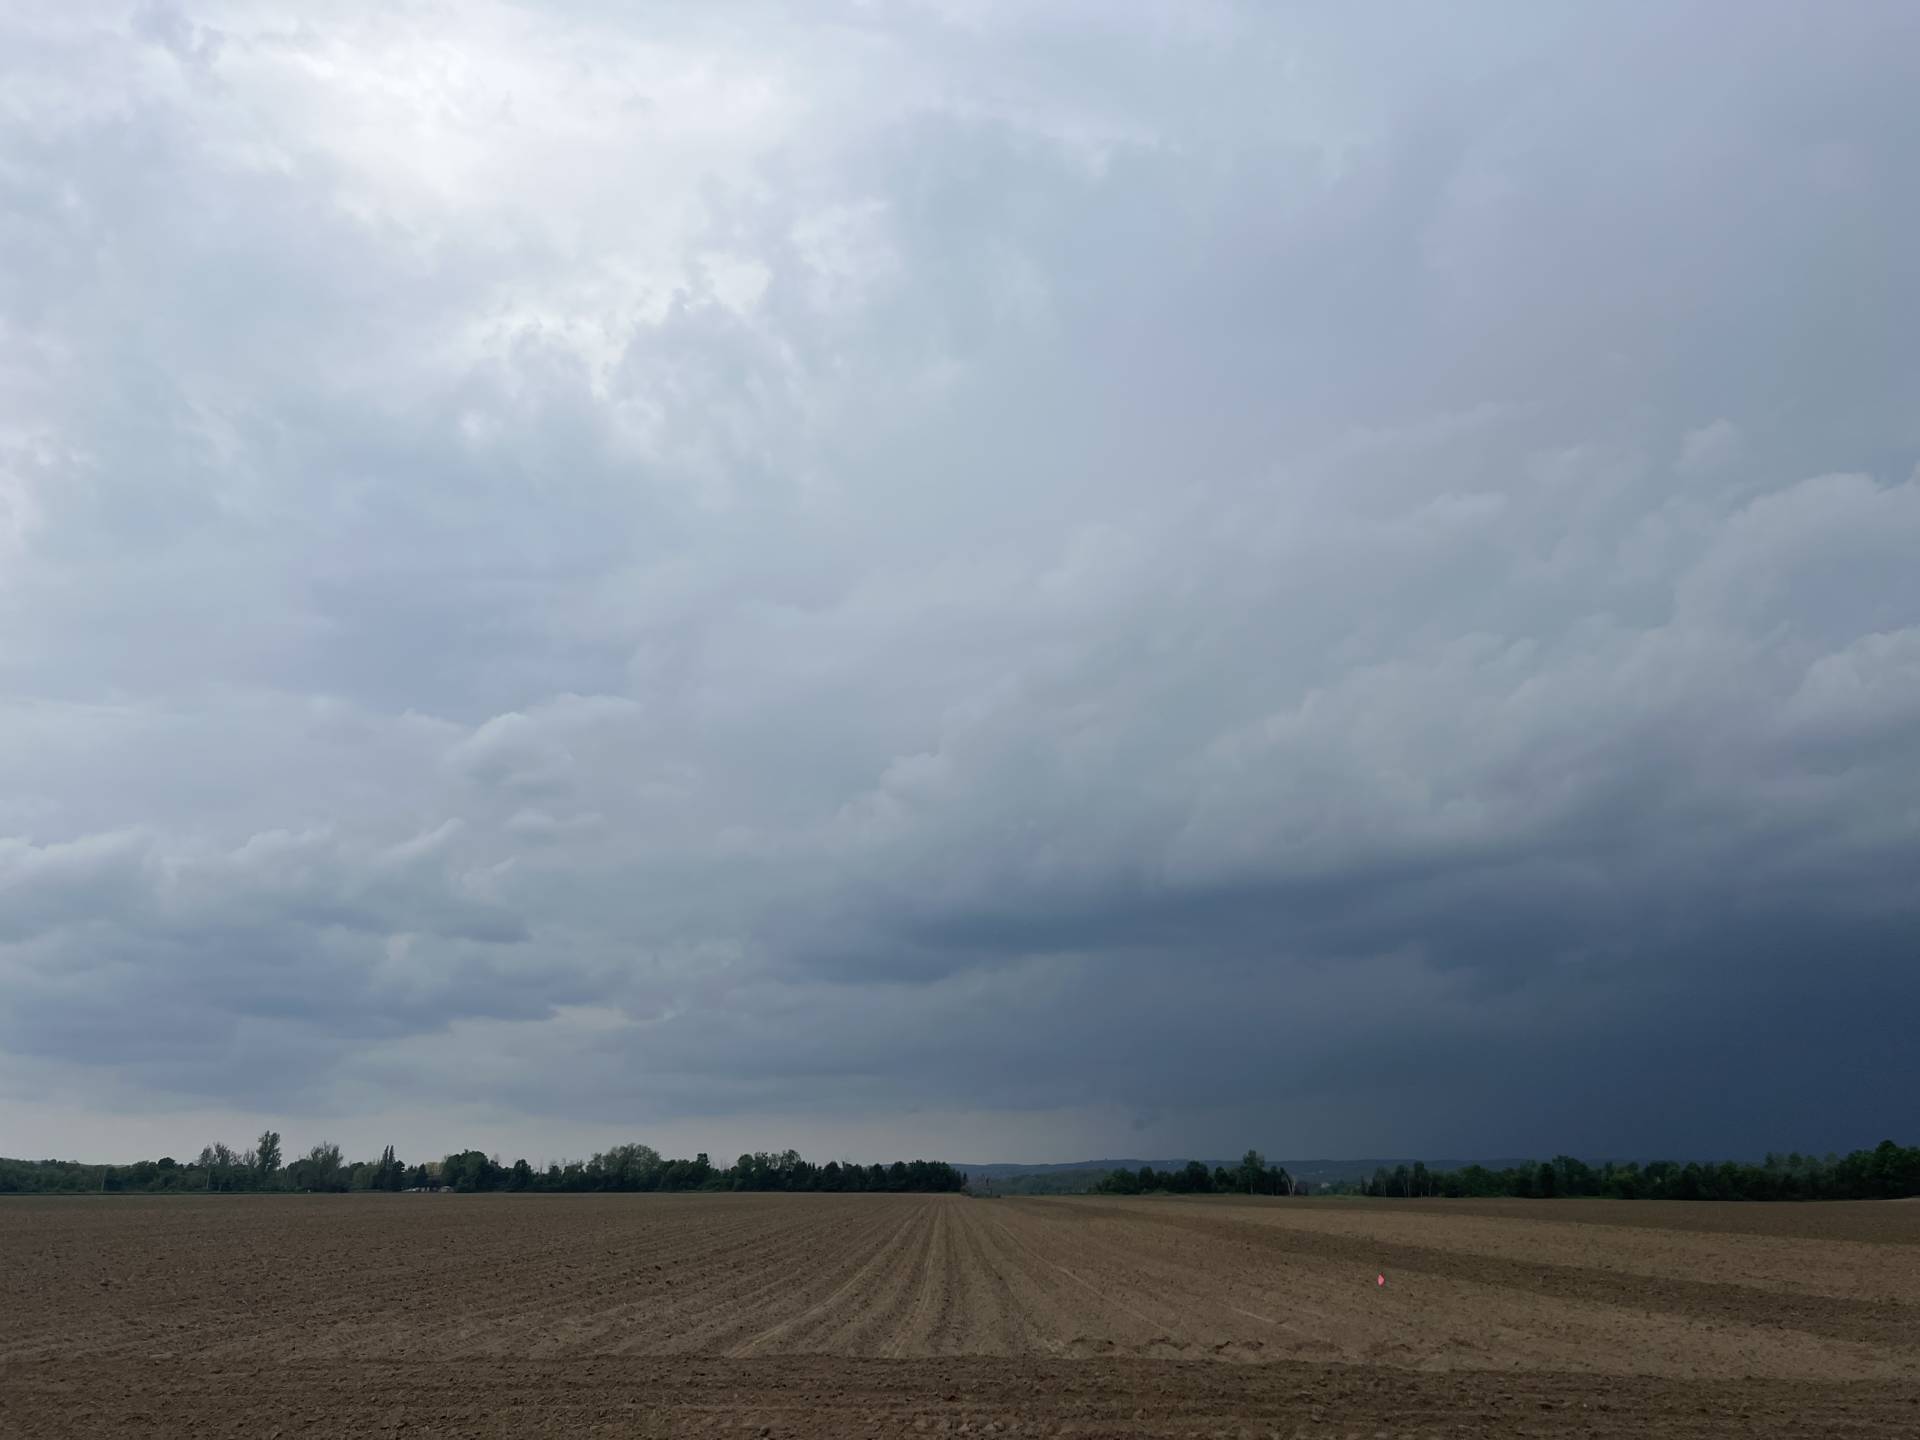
(266, 1156)
(319, 1169)
(630, 1167)
(472, 1170)
(222, 1167)
(389, 1174)
(1253, 1170)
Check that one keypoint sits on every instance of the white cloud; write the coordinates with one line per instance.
(1710, 448)
(1005, 562)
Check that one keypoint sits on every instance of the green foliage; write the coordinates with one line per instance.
(471, 1170)
(321, 1168)
(218, 1168)
(1886, 1172)
(389, 1174)
(1045, 1182)
(1253, 1176)
(642, 1168)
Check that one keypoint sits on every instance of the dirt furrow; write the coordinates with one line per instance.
(792, 1334)
(1877, 1321)
(820, 1314)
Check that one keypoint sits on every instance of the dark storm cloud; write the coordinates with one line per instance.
(1168, 577)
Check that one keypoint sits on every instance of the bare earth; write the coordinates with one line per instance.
(830, 1315)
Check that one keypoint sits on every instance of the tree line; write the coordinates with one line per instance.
(220, 1168)
(1886, 1172)
(642, 1168)
(1252, 1176)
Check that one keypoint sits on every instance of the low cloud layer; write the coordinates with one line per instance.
(996, 583)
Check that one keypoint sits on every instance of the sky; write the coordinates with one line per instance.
(965, 579)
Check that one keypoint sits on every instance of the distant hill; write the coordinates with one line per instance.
(1320, 1172)
(1329, 1171)
(1001, 1171)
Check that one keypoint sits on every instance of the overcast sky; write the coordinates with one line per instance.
(982, 580)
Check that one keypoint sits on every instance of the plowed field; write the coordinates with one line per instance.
(828, 1315)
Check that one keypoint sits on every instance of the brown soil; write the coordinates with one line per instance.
(824, 1315)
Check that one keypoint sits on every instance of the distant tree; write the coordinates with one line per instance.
(266, 1155)
(1573, 1177)
(1888, 1170)
(1892, 1171)
(630, 1167)
(319, 1169)
(221, 1166)
(470, 1170)
(387, 1174)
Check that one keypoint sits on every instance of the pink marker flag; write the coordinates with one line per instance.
(1379, 1279)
